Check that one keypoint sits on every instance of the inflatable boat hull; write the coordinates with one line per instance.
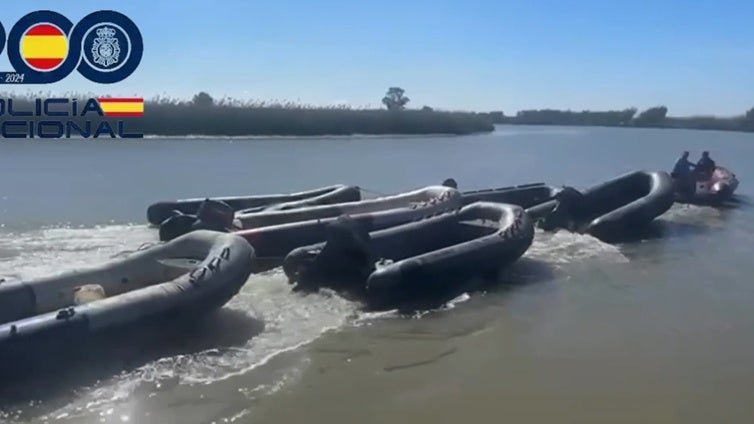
(398, 208)
(273, 242)
(526, 195)
(428, 261)
(409, 200)
(612, 209)
(159, 212)
(717, 189)
(195, 273)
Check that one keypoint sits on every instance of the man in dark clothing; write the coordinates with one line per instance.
(682, 171)
(683, 166)
(705, 166)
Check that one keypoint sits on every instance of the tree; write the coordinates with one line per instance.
(203, 100)
(497, 116)
(395, 99)
(750, 115)
(652, 116)
(627, 115)
(427, 109)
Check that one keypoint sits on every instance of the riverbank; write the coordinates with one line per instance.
(175, 120)
(655, 117)
(204, 116)
(169, 117)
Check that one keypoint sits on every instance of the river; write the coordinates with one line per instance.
(577, 331)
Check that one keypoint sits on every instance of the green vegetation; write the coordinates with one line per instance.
(654, 117)
(204, 115)
(395, 99)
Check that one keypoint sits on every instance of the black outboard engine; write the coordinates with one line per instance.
(215, 215)
(212, 215)
(344, 262)
(567, 212)
(450, 182)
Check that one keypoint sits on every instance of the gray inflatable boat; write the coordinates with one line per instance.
(273, 242)
(195, 273)
(418, 264)
(525, 195)
(400, 207)
(339, 193)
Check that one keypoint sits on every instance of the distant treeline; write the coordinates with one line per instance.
(204, 115)
(655, 117)
(228, 117)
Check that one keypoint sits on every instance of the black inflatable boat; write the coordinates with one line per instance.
(609, 210)
(56, 316)
(159, 212)
(273, 242)
(525, 195)
(416, 264)
(219, 217)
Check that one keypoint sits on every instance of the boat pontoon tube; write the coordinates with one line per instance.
(159, 212)
(423, 261)
(197, 272)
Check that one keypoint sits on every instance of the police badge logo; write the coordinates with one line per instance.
(105, 48)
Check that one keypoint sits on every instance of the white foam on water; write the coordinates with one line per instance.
(290, 320)
(564, 247)
(46, 252)
(694, 214)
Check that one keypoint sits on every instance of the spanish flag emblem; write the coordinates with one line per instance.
(44, 47)
(113, 107)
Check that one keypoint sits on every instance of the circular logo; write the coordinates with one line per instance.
(44, 47)
(106, 47)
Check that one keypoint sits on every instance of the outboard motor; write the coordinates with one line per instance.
(345, 260)
(212, 215)
(567, 212)
(450, 182)
(215, 215)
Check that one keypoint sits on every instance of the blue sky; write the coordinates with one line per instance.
(695, 57)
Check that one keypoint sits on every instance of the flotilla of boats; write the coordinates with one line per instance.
(408, 250)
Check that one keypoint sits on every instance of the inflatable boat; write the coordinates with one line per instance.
(159, 212)
(195, 273)
(419, 263)
(218, 217)
(611, 209)
(714, 189)
(525, 195)
(273, 242)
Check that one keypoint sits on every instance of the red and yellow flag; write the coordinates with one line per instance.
(113, 107)
(44, 47)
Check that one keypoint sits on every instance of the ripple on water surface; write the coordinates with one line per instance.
(269, 318)
(263, 321)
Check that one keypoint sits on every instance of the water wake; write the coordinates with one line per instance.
(285, 321)
(263, 321)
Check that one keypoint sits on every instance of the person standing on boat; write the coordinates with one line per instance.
(682, 171)
(706, 166)
(683, 166)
